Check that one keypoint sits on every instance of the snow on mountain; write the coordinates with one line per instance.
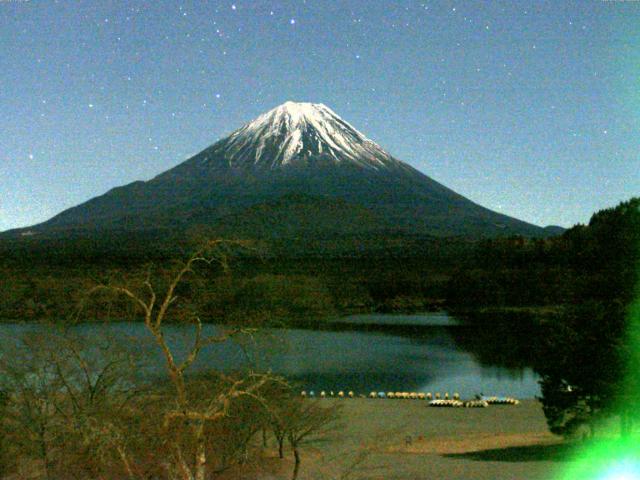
(296, 133)
(294, 171)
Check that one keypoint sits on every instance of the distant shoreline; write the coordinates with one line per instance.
(337, 322)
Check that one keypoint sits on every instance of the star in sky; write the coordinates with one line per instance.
(484, 82)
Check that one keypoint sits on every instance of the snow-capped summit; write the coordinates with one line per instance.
(297, 171)
(300, 133)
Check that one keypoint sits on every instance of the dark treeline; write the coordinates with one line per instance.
(590, 356)
(587, 262)
(45, 279)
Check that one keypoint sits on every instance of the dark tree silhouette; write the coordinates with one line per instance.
(589, 359)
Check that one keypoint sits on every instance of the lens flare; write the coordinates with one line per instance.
(605, 460)
(622, 471)
(614, 456)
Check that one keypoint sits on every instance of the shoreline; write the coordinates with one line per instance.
(411, 440)
(440, 309)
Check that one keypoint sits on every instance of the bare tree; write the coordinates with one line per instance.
(30, 422)
(300, 422)
(4, 401)
(277, 398)
(187, 415)
(58, 385)
(310, 423)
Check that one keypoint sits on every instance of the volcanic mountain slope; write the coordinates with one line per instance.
(298, 169)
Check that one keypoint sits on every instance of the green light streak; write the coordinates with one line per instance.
(611, 457)
(605, 460)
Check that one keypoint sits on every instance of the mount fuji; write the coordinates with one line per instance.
(296, 171)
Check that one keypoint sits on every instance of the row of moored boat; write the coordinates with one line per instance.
(481, 401)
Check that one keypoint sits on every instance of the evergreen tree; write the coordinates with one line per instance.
(587, 354)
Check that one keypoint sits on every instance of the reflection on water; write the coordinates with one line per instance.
(430, 319)
(430, 353)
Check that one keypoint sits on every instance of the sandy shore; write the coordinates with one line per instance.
(406, 439)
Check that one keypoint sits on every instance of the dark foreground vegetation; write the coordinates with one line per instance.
(70, 410)
(76, 407)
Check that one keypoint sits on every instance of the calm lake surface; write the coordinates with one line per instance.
(428, 353)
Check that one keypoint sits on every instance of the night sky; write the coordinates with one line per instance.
(529, 108)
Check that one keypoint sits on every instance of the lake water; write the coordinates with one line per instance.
(428, 353)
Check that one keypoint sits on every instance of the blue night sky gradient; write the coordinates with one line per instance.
(529, 108)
